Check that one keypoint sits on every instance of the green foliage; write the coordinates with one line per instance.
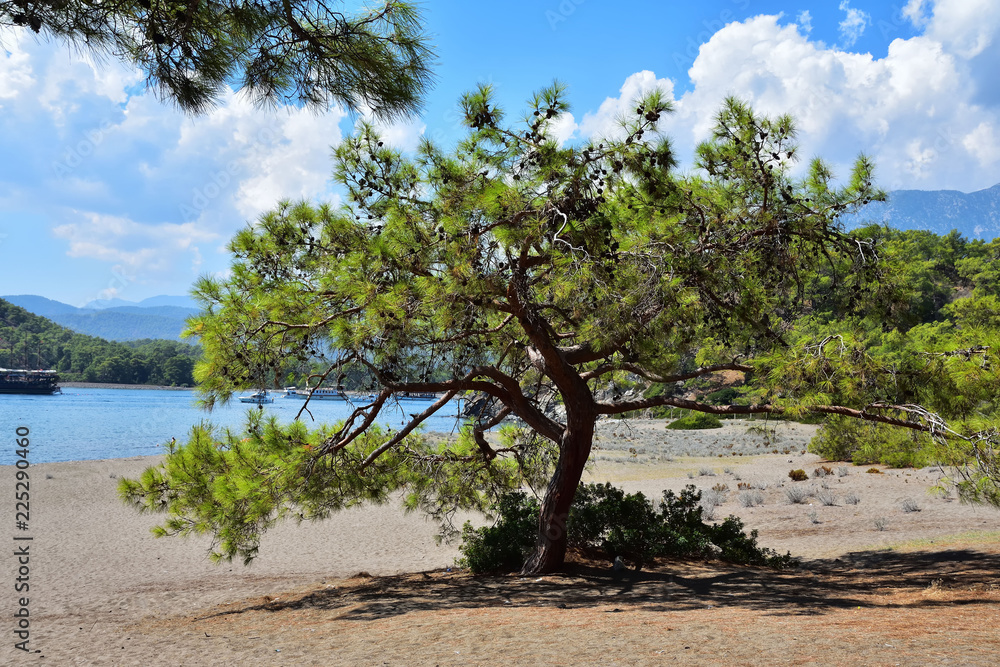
(503, 546)
(275, 50)
(724, 396)
(695, 420)
(845, 439)
(235, 485)
(29, 341)
(798, 475)
(619, 525)
(534, 274)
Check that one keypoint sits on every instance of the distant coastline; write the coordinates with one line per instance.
(106, 385)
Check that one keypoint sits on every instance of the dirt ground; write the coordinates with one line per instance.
(906, 575)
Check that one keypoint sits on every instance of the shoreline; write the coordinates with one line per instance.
(111, 385)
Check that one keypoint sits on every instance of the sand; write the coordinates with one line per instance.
(104, 591)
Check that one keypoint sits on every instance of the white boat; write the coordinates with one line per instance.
(417, 396)
(259, 398)
(317, 394)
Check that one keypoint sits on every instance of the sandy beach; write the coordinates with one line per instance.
(371, 586)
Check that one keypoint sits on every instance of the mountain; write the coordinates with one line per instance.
(975, 215)
(41, 306)
(127, 321)
(151, 302)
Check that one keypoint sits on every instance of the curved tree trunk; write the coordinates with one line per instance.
(550, 548)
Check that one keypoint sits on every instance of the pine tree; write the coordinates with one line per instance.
(534, 275)
(276, 51)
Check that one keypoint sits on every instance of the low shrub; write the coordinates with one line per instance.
(798, 475)
(619, 525)
(724, 396)
(828, 498)
(503, 546)
(695, 421)
(910, 505)
(796, 494)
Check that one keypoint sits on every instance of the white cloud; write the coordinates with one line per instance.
(129, 180)
(804, 20)
(911, 109)
(984, 143)
(138, 250)
(854, 24)
(965, 27)
(605, 121)
(914, 11)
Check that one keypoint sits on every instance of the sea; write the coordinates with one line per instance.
(83, 424)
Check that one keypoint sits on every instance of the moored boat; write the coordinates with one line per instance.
(259, 398)
(321, 394)
(19, 381)
(417, 396)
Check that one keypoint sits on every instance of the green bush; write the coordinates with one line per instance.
(724, 396)
(847, 439)
(798, 475)
(606, 519)
(503, 546)
(695, 420)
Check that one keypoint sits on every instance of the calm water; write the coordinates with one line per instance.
(84, 424)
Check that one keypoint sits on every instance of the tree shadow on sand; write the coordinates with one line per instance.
(862, 579)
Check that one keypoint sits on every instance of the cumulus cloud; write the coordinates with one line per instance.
(853, 25)
(965, 27)
(128, 178)
(606, 121)
(914, 109)
(140, 251)
(804, 19)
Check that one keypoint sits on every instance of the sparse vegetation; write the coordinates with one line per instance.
(751, 498)
(828, 498)
(797, 494)
(910, 505)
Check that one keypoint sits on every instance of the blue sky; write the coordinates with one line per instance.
(107, 192)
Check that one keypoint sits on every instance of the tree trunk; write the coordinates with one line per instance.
(574, 450)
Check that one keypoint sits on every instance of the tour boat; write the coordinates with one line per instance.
(18, 381)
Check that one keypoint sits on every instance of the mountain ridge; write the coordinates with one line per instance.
(976, 215)
(118, 323)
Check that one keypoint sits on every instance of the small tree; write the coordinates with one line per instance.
(527, 273)
(302, 51)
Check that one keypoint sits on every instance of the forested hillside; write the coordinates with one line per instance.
(30, 341)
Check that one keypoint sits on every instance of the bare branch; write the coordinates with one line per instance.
(406, 430)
